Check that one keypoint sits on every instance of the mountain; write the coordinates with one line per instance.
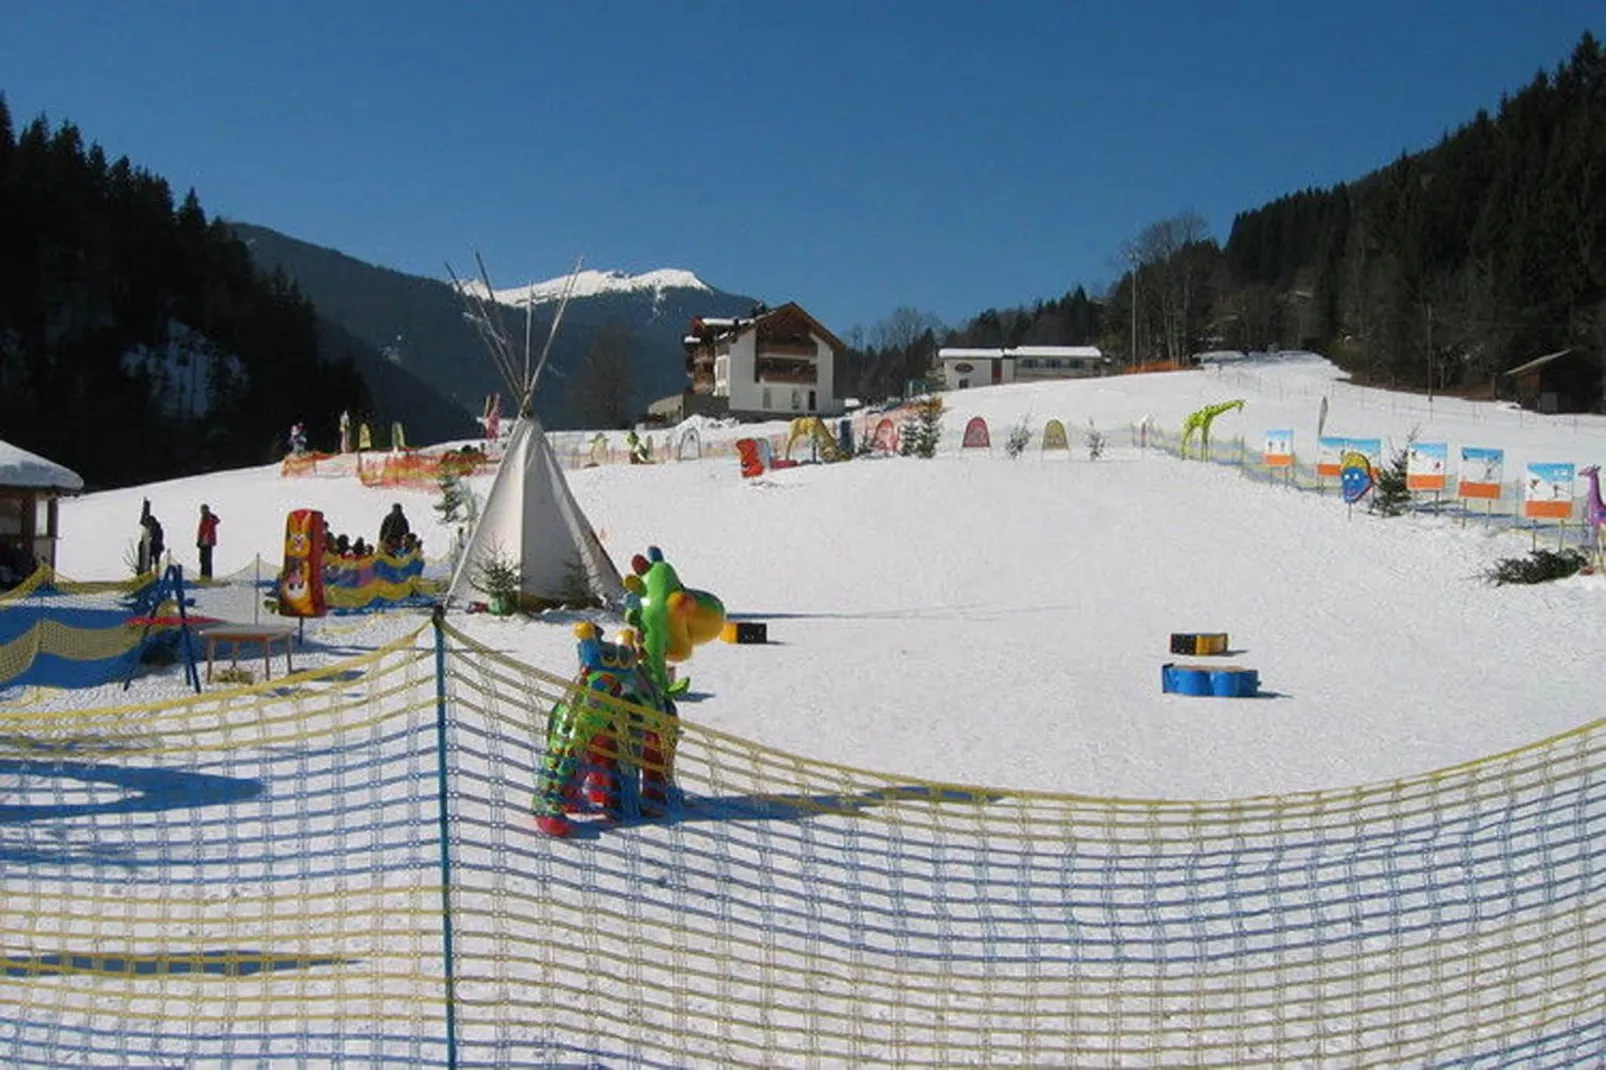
(394, 393)
(418, 322)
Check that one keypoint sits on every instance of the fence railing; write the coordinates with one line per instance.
(339, 868)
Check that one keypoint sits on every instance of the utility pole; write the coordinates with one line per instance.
(1134, 260)
(1429, 309)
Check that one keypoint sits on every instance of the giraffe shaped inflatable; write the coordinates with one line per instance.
(1595, 511)
(1199, 422)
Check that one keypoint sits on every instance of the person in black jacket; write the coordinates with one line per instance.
(151, 543)
(393, 530)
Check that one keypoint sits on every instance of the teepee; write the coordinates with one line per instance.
(531, 516)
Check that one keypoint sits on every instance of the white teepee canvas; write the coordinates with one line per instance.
(531, 516)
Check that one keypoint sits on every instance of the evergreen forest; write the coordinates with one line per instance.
(136, 340)
(1435, 273)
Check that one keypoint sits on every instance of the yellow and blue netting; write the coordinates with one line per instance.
(339, 868)
(56, 632)
(379, 581)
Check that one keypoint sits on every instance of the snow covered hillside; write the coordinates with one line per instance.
(984, 620)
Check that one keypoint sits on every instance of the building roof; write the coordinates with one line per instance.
(1072, 352)
(1537, 363)
(19, 468)
(714, 327)
(1082, 352)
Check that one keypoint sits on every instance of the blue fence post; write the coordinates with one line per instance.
(438, 619)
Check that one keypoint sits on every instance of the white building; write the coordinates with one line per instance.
(963, 368)
(775, 364)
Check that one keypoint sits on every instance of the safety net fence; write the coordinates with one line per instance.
(341, 868)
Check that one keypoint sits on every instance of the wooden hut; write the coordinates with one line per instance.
(29, 488)
(1568, 380)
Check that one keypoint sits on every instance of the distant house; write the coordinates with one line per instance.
(29, 487)
(774, 364)
(967, 367)
(1569, 380)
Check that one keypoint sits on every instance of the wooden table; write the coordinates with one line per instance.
(264, 635)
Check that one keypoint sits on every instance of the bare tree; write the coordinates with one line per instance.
(597, 391)
(1168, 279)
(904, 328)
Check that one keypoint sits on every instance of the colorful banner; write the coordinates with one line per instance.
(885, 439)
(1481, 471)
(374, 581)
(1054, 437)
(1427, 466)
(1279, 449)
(976, 436)
(1548, 491)
(301, 582)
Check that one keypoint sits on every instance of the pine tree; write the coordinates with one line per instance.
(1390, 496)
(450, 505)
(922, 433)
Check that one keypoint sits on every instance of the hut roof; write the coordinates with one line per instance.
(19, 468)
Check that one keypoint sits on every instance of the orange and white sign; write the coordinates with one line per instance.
(1481, 472)
(1279, 449)
(1547, 492)
(1425, 464)
(1329, 455)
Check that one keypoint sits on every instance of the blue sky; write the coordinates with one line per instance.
(853, 156)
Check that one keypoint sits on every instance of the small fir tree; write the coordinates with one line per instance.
(1020, 436)
(1390, 496)
(1540, 566)
(451, 506)
(1095, 441)
(922, 432)
(500, 576)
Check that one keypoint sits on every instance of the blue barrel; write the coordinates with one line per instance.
(1184, 680)
(1234, 683)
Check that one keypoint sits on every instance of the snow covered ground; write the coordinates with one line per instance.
(252, 878)
(982, 620)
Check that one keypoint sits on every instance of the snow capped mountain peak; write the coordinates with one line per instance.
(590, 283)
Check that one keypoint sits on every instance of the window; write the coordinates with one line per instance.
(764, 400)
(964, 383)
(797, 400)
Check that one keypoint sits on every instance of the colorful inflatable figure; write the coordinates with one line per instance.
(1355, 476)
(670, 618)
(301, 591)
(1198, 423)
(610, 744)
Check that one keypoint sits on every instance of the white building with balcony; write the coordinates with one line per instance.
(777, 364)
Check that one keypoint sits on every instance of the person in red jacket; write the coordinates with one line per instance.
(205, 539)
